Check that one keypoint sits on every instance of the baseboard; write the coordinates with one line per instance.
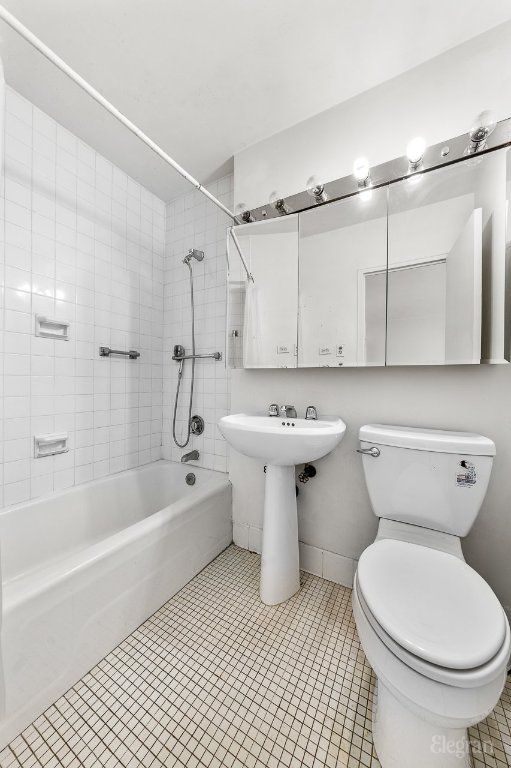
(320, 562)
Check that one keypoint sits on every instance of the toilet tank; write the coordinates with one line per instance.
(427, 477)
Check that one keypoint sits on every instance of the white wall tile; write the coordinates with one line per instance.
(72, 254)
(338, 568)
(86, 243)
(255, 539)
(240, 535)
(311, 559)
(191, 222)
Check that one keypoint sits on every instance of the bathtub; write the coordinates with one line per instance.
(84, 568)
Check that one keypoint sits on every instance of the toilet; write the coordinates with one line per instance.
(432, 629)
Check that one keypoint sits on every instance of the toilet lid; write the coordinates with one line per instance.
(431, 603)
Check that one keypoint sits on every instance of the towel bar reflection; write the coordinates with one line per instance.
(106, 352)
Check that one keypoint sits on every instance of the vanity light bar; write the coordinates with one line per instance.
(435, 156)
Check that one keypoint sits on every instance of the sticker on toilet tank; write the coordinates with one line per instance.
(466, 474)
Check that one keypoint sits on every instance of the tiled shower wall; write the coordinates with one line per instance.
(193, 222)
(83, 243)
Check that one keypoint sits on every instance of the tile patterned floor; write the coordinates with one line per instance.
(215, 679)
(491, 739)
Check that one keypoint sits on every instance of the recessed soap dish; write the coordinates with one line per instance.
(50, 328)
(50, 445)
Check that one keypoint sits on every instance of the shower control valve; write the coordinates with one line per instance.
(197, 425)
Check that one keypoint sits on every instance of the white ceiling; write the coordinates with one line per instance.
(206, 78)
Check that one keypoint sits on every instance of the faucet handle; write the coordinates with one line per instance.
(311, 412)
(273, 410)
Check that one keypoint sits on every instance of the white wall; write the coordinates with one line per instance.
(82, 242)
(437, 100)
(193, 222)
(334, 509)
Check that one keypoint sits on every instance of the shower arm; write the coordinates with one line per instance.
(47, 52)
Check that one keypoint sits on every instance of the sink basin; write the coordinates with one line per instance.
(280, 443)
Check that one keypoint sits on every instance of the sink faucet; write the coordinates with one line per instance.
(192, 456)
(288, 411)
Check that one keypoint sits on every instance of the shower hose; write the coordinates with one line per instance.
(180, 375)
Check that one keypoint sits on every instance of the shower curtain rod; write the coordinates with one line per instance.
(240, 253)
(34, 41)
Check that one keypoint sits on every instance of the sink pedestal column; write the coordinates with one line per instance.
(280, 567)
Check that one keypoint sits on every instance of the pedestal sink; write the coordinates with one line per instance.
(280, 443)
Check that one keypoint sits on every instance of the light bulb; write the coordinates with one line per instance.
(274, 198)
(241, 212)
(415, 151)
(366, 195)
(361, 169)
(316, 189)
(484, 124)
(278, 202)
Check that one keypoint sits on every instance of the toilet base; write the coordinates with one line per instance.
(402, 739)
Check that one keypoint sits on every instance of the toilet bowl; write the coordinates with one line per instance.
(432, 629)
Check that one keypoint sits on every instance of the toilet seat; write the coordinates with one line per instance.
(466, 678)
(433, 611)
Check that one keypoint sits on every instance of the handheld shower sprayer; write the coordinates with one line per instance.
(179, 353)
(193, 253)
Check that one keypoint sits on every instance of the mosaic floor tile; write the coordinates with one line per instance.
(215, 678)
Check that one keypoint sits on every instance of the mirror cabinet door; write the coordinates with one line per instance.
(261, 322)
(413, 273)
(445, 239)
(343, 282)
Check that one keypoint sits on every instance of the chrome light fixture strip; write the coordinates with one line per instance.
(435, 156)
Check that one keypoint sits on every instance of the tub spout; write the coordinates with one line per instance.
(192, 456)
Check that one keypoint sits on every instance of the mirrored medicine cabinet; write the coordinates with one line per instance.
(409, 273)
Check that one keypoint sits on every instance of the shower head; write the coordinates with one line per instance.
(195, 254)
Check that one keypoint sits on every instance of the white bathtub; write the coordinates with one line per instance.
(84, 568)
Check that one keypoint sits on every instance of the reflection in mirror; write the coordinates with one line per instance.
(261, 323)
(445, 240)
(343, 282)
(507, 283)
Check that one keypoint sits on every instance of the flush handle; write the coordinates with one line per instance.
(374, 452)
